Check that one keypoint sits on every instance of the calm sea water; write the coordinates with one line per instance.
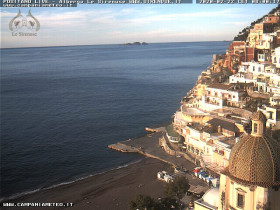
(62, 106)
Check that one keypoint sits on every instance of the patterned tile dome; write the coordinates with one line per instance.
(256, 159)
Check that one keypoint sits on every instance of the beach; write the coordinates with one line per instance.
(110, 190)
(115, 188)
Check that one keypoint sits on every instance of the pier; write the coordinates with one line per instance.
(149, 146)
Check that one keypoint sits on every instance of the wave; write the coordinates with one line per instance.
(19, 195)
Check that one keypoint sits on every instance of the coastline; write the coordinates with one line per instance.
(110, 190)
(31, 192)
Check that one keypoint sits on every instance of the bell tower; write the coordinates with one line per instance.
(258, 124)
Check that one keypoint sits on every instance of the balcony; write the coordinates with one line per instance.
(220, 152)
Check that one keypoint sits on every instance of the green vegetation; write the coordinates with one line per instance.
(174, 191)
(170, 131)
(242, 36)
(275, 9)
(168, 203)
(177, 188)
(144, 202)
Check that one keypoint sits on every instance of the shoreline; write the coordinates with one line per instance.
(31, 192)
(119, 184)
(123, 184)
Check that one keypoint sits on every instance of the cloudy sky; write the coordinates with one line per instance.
(113, 24)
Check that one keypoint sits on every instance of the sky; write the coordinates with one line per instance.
(114, 24)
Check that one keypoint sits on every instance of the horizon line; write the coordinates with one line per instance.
(106, 44)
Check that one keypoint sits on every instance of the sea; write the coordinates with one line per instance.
(62, 106)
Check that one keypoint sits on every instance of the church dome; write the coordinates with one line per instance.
(255, 159)
(212, 197)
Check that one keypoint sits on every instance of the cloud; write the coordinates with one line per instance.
(126, 24)
(164, 34)
(5, 14)
(124, 18)
(73, 19)
(226, 13)
(113, 18)
(237, 23)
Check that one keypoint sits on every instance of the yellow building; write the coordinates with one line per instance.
(252, 179)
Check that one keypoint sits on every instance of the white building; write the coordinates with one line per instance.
(275, 100)
(272, 115)
(276, 57)
(265, 42)
(219, 95)
(242, 77)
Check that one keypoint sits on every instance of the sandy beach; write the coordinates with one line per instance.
(111, 190)
(114, 189)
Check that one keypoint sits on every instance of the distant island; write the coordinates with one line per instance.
(136, 43)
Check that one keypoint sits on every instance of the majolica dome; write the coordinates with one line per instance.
(255, 159)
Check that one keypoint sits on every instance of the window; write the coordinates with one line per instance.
(270, 115)
(240, 200)
(255, 127)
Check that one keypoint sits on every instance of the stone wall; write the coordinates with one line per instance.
(170, 151)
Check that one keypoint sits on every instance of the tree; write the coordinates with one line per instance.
(174, 191)
(167, 204)
(143, 202)
(177, 188)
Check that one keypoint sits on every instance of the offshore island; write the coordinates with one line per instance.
(136, 43)
(224, 138)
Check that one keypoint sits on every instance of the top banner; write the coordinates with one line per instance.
(74, 3)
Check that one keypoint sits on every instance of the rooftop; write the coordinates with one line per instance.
(202, 128)
(220, 86)
(192, 111)
(259, 116)
(225, 124)
(229, 141)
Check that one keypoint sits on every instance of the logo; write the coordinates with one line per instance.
(26, 25)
